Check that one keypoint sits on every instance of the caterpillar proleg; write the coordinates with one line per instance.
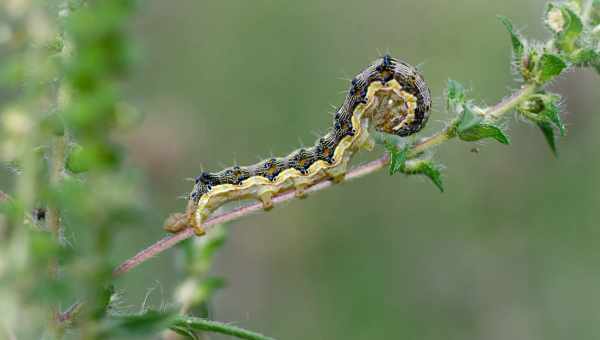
(390, 96)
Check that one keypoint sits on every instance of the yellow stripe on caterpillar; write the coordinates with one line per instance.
(390, 94)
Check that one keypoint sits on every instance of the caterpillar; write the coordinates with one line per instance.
(390, 95)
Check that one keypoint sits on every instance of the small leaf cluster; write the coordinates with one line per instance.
(472, 123)
(101, 55)
(573, 44)
(400, 163)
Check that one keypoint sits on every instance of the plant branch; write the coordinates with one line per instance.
(425, 144)
(57, 165)
(198, 324)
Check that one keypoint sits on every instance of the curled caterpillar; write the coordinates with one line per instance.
(389, 94)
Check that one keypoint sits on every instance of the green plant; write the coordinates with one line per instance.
(63, 79)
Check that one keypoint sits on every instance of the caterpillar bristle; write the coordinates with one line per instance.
(389, 93)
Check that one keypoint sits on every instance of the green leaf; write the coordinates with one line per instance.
(548, 132)
(455, 94)
(104, 298)
(550, 66)
(433, 172)
(94, 156)
(517, 43)
(426, 168)
(566, 25)
(552, 111)
(484, 131)
(397, 158)
(544, 110)
(137, 324)
(469, 119)
(585, 57)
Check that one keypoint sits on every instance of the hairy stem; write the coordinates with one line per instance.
(198, 324)
(425, 144)
(57, 165)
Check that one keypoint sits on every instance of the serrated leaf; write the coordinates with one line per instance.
(426, 168)
(482, 131)
(434, 174)
(455, 94)
(543, 109)
(468, 119)
(552, 111)
(548, 132)
(566, 25)
(585, 57)
(517, 43)
(397, 158)
(550, 66)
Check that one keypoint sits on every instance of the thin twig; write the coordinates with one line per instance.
(425, 144)
(171, 240)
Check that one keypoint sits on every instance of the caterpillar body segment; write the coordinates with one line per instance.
(390, 96)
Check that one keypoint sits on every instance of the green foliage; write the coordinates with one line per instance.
(550, 66)
(398, 158)
(471, 125)
(455, 96)
(427, 168)
(58, 132)
(400, 163)
(482, 131)
(566, 25)
(147, 323)
(518, 44)
(543, 109)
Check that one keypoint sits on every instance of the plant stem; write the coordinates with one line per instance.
(511, 102)
(425, 144)
(57, 165)
(189, 322)
(171, 240)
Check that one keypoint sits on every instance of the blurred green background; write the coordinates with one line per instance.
(509, 251)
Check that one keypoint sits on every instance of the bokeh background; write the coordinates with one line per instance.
(509, 251)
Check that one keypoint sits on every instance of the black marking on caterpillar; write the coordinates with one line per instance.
(390, 94)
